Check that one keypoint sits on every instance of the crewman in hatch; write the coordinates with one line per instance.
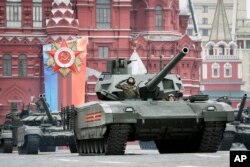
(129, 88)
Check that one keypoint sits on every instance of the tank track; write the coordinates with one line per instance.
(7, 146)
(211, 137)
(30, 146)
(114, 143)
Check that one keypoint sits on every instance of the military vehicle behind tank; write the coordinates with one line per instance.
(6, 139)
(43, 131)
(104, 127)
(239, 130)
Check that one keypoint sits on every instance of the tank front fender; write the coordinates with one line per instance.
(225, 116)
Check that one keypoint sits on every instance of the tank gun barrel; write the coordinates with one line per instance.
(46, 108)
(158, 78)
(242, 105)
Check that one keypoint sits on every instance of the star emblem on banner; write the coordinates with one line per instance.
(64, 59)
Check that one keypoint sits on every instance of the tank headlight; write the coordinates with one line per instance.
(129, 109)
(211, 108)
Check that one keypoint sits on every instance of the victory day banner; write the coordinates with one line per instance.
(65, 72)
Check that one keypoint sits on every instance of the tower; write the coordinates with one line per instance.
(221, 65)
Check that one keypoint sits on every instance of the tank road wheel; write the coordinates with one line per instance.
(96, 146)
(30, 146)
(101, 146)
(87, 144)
(117, 139)
(6, 146)
(92, 146)
(211, 136)
(227, 141)
(84, 147)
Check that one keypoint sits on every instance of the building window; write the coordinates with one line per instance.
(102, 14)
(163, 51)
(22, 66)
(248, 44)
(231, 50)
(6, 65)
(103, 52)
(190, 32)
(14, 13)
(204, 20)
(215, 70)
(37, 13)
(204, 9)
(221, 50)
(204, 32)
(227, 70)
(240, 43)
(13, 106)
(211, 50)
(158, 18)
(153, 51)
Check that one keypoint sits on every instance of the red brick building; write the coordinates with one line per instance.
(156, 27)
(222, 61)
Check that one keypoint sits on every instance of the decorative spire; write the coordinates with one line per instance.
(220, 28)
(62, 20)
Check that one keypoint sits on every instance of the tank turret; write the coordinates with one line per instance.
(150, 90)
(42, 105)
(148, 86)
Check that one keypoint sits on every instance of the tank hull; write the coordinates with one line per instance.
(6, 141)
(45, 137)
(152, 120)
(236, 133)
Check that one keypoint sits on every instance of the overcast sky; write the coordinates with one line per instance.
(183, 3)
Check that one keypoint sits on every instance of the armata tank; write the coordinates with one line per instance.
(239, 130)
(43, 131)
(136, 107)
(6, 139)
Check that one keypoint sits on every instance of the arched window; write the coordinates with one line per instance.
(227, 70)
(231, 50)
(215, 70)
(6, 65)
(102, 14)
(158, 17)
(163, 51)
(211, 50)
(221, 50)
(22, 66)
(153, 51)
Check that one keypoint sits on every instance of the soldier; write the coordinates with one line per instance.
(224, 99)
(129, 88)
(171, 97)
